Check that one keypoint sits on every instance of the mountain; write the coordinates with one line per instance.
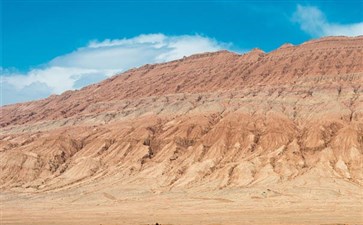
(214, 138)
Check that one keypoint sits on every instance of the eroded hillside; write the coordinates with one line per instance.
(287, 120)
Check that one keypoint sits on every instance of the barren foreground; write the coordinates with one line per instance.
(217, 138)
(117, 205)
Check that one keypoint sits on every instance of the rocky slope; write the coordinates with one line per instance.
(285, 120)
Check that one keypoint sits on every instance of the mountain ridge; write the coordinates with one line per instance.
(264, 69)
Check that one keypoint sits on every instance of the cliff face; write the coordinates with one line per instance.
(214, 121)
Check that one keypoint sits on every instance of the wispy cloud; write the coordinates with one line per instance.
(99, 60)
(314, 22)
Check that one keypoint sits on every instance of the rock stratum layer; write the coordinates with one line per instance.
(217, 137)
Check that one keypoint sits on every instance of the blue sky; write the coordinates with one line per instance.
(49, 46)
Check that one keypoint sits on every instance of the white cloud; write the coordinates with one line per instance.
(99, 60)
(313, 21)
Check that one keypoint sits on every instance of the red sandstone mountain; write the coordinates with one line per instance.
(284, 126)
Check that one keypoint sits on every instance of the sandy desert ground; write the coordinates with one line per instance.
(113, 204)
